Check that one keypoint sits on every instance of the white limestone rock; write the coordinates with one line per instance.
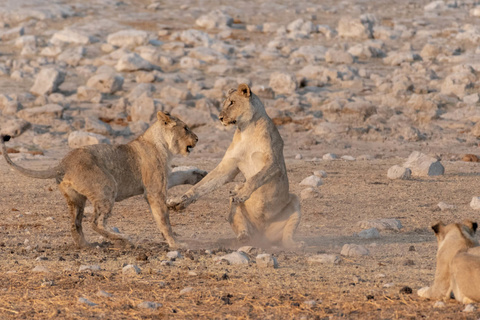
(77, 139)
(133, 62)
(131, 269)
(354, 250)
(70, 36)
(399, 172)
(423, 165)
(47, 81)
(381, 224)
(311, 181)
(128, 38)
(234, 258)
(145, 108)
(329, 156)
(475, 203)
(355, 28)
(266, 260)
(309, 193)
(214, 19)
(283, 83)
(106, 82)
(324, 259)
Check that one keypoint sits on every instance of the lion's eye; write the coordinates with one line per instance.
(230, 104)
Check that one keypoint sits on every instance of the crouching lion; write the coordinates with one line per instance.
(104, 174)
(262, 207)
(458, 263)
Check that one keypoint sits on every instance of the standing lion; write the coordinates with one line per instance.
(262, 206)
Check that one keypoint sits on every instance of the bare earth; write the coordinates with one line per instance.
(404, 78)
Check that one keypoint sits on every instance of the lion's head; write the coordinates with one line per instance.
(240, 106)
(177, 134)
(462, 234)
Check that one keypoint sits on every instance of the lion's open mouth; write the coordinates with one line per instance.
(189, 148)
(233, 122)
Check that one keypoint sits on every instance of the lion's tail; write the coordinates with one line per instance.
(42, 174)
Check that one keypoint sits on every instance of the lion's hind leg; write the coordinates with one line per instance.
(284, 225)
(76, 205)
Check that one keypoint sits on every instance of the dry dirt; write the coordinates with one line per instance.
(35, 224)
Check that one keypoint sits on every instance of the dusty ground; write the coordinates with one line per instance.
(34, 224)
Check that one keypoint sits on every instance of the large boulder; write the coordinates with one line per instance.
(47, 81)
(423, 165)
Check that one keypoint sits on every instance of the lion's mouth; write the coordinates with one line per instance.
(189, 149)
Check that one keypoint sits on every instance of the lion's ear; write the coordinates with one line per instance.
(438, 227)
(164, 117)
(244, 90)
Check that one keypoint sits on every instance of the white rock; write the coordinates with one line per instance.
(475, 12)
(234, 258)
(133, 62)
(186, 290)
(196, 38)
(77, 139)
(381, 224)
(23, 41)
(470, 308)
(354, 250)
(106, 82)
(149, 305)
(266, 260)
(371, 233)
(439, 305)
(283, 83)
(311, 181)
(87, 302)
(40, 269)
(324, 259)
(11, 33)
(47, 81)
(51, 51)
(310, 303)
(94, 267)
(104, 294)
(214, 19)
(471, 98)
(320, 173)
(398, 172)
(41, 115)
(354, 28)
(70, 36)
(128, 38)
(338, 57)
(309, 193)
(95, 125)
(145, 108)
(72, 56)
(329, 156)
(423, 165)
(88, 94)
(348, 158)
(475, 203)
(172, 255)
(435, 5)
(445, 207)
(131, 269)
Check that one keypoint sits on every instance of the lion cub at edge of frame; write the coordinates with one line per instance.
(262, 207)
(458, 263)
(104, 174)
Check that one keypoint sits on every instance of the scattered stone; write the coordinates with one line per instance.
(145, 108)
(439, 305)
(298, 156)
(309, 193)
(133, 62)
(371, 233)
(446, 207)
(329, 156)
(127, 38)
(77, 139)
(266, 260)
(475, 203)
(104, 294)
(131, 269)
(310, 303)
(47, 81)
(354, 250)
(41, 115)
(94, 267)
(381, 224)
(149, 305)
(423, 165)
(355, 28)
(389, 285)
(70, 36)
(324, 259)
(214, 19)
(186, 290)
(320, 173)
(106, 82)
(283, 83)
(87, 302)
(311, 181)
(398, 172)
(173, 255)
(40, 269)
(167, 263)
(234, 258)
(470, 308)
(348, 158)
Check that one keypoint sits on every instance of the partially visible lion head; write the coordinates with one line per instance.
(177, 134)
(240, 106)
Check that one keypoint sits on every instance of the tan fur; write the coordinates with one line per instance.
(262, 206)
(104, 174)
(458, 263)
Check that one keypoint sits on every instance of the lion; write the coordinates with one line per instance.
(458, 263)
(104, 174)
(262, 206)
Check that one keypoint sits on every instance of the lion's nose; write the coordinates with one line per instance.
(221, 118)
